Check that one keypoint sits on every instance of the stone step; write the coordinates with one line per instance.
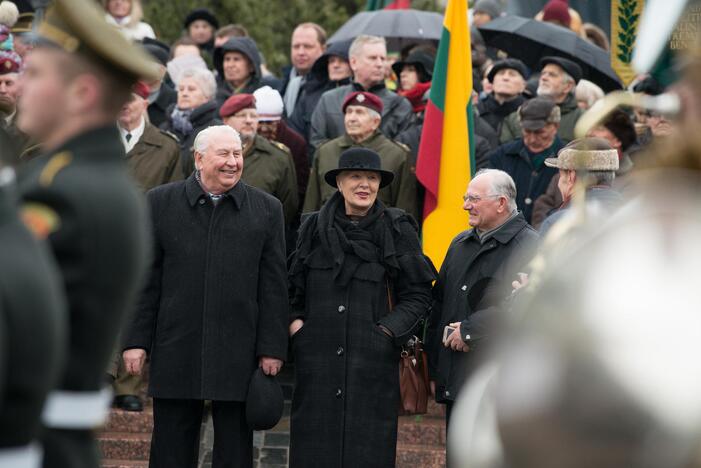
(124, 464)
(124, 446)
(130, 421)
(421, 430)
(424, 456)
(435, 409)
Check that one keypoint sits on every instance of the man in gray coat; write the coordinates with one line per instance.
(368, 57)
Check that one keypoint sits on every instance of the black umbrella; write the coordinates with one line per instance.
(531, 40)
(399, 27)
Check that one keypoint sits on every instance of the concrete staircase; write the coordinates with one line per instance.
(125, 440)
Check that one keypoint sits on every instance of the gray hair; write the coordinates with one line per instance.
(203, 138)
(588, 91)
(204, 79)
(373, 113)
(361, 41)
(502, 185)
(567, 78)
(592, 178)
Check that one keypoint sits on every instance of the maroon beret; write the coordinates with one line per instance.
(141, 89)
(368, 100)
(236, 103)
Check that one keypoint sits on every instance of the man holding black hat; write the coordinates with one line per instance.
(80, 198)
(524, 158)
(362, 122)
(508, 78)
(558, 80)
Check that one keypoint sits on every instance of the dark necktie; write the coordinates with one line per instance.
(128, 137)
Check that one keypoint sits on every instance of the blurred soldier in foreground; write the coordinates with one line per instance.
(76, 81)
(32, 332)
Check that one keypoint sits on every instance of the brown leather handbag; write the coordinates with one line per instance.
(414, 387)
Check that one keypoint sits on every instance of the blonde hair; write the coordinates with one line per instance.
(361, 41)
(136, 12)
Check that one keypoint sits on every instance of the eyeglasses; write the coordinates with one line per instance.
(475, 199)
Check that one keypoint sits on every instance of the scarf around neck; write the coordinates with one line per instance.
(416, 95)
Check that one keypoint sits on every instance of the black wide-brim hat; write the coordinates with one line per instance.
(359, 159)
(264, 402)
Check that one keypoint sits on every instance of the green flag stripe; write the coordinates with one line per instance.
(440, 72)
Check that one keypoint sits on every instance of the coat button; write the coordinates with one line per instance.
(339, 351)
(202, 202)
(447, 393)
(341, 309)
(528, 201)
(464, 287)
(339, 393)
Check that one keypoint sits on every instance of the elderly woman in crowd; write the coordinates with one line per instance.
(126, 15)
(360, 286)
(194, 111)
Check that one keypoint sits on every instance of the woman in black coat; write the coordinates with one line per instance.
(346, 337)
(193, 111)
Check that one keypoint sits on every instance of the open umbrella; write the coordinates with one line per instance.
(531, 40)
(399, 27)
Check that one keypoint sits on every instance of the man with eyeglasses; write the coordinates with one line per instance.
(475, 281)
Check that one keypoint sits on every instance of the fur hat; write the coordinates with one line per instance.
(586, 154)
(10, 61)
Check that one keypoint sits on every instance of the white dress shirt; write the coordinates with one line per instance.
(135, 135)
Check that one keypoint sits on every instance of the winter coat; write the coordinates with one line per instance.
(473, 284)
(202, 117)
(515, 159)
(216, 298)
(247, 47)
(569, 115)
(155, 159)
(328, 118)
(494, 113)
(298, 148)
(605, 197)
(344, 408)
(157, 110)
(401, 193)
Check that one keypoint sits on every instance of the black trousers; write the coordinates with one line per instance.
(64, 448)
(176, 434)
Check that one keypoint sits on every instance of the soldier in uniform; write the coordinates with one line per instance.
(268, 164)
(76, 81)
(362, 121)
(32, 324)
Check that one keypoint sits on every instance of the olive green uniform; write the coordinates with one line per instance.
(269, 166)
(401, 193)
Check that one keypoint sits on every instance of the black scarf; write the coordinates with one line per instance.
(352, 244)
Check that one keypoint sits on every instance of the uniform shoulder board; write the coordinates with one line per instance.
(53, 167)
(40, 219)
(170, 134)
(402, 145)
(280, 146)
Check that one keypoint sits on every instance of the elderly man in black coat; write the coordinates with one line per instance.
(215, 308)
(475, 280)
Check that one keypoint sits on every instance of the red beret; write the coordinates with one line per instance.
(140, 89)
(236, 103)
(557, 10)
(368, 100)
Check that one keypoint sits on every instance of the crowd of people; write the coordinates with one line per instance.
(280, 209)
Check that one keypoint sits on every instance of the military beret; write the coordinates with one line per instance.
(236, 103)
(79, 26)
(508, 63)
(201, 14)
(364, 99)
(586, 154)
(570, 67)
(141, 89)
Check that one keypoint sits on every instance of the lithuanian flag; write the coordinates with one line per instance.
(446, 158)
(388, 5)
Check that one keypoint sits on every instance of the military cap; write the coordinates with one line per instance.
(359, 159)
(236, 103)
(201, 14)
(535, 113)
(79, 26)
(363, 99)
(587, 154)
(26, 16)
(570, 67)
(508, 63)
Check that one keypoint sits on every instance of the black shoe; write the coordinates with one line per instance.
(128, 403)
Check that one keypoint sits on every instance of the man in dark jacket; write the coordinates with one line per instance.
(215, 308)
(330, 71)
(558, 80)
(524, 158)
(306, 46)
(508, 78)
(475, 281)
(368, 60)
(237, 63)
(88, 209)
